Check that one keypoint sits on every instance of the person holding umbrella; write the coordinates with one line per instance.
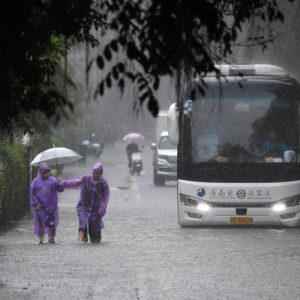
(92, 204)
(132, 140)
(43, 200)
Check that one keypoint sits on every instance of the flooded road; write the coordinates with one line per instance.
(144, 254)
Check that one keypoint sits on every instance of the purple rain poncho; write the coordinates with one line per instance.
(94, 196)
(44, 192)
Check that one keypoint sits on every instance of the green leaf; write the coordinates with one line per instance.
(121, 85)
(107, 53)
(121, 67)
(115, 73)
(153, 106)
(101, 88)
(108, 81)
(114, 45)
(156, 83)
(100, 62)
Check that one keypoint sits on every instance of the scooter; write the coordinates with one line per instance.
(136, 163)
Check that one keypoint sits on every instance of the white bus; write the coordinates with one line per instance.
(238, 149)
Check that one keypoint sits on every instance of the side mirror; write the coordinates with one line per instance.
(153, 146)
(172, 121)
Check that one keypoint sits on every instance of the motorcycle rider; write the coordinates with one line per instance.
(131, 148)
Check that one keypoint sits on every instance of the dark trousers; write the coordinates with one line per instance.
(95, 236)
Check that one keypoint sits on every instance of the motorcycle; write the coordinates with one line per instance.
(136, 163)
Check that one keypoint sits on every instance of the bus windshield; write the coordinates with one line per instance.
(255, 121)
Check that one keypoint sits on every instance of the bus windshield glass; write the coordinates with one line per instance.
(255, 120)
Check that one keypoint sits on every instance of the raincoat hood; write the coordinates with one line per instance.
(98, 166)
(43, 168)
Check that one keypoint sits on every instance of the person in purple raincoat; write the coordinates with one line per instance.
(43, 201)
(91, 207)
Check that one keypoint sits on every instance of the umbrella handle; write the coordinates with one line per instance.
(56, 167)
(56, 163)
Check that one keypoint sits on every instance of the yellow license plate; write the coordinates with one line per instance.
(241, 220)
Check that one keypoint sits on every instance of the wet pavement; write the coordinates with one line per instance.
(144, 254)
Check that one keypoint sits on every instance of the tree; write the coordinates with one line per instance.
(175, 38)
(33, 41)
(152, 38)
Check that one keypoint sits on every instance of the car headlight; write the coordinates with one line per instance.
(278, 207)
(164, 157)
(162, 160)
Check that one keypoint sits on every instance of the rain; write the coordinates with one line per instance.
(164, 236)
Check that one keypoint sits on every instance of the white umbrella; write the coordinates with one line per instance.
(133, 138)
(56, 156)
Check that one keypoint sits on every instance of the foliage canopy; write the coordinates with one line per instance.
(171, 37)
(151, 38)
(32, 46)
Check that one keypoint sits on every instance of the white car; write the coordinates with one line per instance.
(164, 160)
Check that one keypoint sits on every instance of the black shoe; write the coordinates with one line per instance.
(85, 237)
(95, 237)
(51, 241)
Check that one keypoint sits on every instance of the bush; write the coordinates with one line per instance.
(14, 182)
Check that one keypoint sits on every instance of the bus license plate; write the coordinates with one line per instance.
(241, 220)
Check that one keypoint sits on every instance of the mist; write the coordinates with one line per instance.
(285, 49)
(111, 116)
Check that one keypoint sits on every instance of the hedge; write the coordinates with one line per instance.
(14, 183)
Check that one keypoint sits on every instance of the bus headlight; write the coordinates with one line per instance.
(278, 207)
(203, 206)
(293, 201)
(189, 201)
